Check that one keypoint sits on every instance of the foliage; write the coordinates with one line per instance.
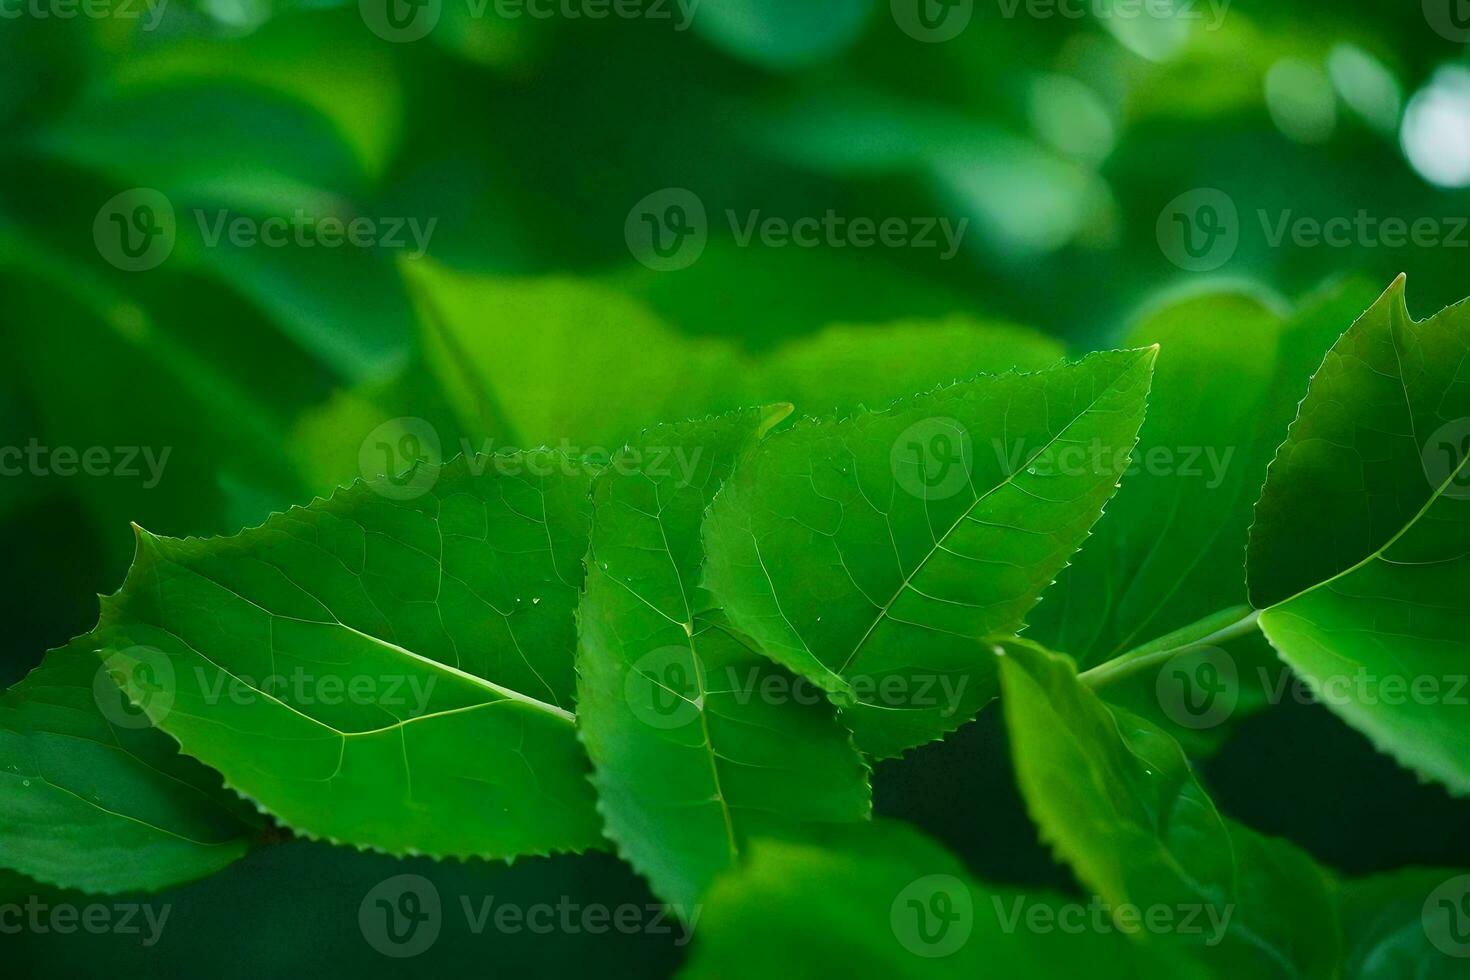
(1053, 596)
(879, 558)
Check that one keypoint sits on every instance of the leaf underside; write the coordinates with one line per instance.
(93, 798)
(1117, 799)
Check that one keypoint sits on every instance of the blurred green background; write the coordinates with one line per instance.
(1075, 141)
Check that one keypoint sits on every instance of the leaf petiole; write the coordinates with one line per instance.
(1219, 627)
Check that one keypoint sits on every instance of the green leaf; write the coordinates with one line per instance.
(1314, 326)
(1116, 798)
(525, 359)
(699, 742)
(1360, 554)
(528, 359)
(871, 554)
(882, 900)
(845, 366)
(1169, 550)
(507, 361)
(93, 798)
(1167, 553)
(390, 668)
(1407, 925)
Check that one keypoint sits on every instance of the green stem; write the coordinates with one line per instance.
(1220, 627)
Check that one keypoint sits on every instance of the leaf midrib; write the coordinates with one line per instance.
(691, 633)
(503, 693)
(938, 543)
(1463, 468)
(1378, 553)
(164, 831)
